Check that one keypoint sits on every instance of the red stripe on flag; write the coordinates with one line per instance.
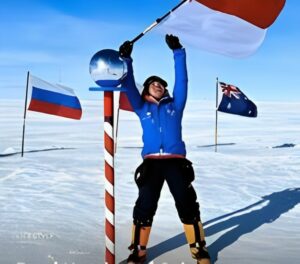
(261, 13)
(124, 103)
(53, 109)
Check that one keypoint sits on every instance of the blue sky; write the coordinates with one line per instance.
(55, 40)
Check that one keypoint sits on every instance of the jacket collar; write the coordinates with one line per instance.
(151, 99)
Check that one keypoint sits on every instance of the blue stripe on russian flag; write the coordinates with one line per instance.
(55, 98)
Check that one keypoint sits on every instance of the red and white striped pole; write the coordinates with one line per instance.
(107, 70)
(109, 178)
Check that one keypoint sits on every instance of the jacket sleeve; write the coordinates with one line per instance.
(181, 79)
(132, 91)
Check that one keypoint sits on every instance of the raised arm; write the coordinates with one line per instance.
(128, 83)
(181, 79)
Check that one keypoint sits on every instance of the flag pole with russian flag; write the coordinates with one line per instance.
(52, 99)
(25, 111)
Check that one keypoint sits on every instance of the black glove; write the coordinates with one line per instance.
(173, 42)
(126, 49)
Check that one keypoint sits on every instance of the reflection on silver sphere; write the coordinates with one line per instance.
(107, 68)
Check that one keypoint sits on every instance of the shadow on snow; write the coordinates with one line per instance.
(219, 144)
(31, 151)
(245, 222)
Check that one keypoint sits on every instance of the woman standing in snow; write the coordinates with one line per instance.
(163, 155)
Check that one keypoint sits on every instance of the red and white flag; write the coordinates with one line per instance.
(235, 28)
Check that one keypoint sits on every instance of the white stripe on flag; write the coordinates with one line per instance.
(207, 29)
(57, 88)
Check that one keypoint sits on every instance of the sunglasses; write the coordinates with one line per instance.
(157, 84)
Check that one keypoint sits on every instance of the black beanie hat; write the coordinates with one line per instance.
(150, 80)
(154, 78)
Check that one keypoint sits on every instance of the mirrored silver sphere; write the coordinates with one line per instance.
(107, 68)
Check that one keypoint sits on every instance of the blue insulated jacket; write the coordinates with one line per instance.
(161, 122)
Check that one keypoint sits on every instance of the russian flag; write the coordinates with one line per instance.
(53, 99)
(124, 103)
(234, 28)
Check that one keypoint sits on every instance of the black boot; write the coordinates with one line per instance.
(200, 253)
(136, 258)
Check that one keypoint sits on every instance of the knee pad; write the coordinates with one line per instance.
(189, 220)
(142, 222)
(189, 215)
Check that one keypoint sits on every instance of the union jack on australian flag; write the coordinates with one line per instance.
(234, 101)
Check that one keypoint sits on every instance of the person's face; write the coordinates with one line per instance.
(157, 90)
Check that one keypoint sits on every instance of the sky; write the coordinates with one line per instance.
(55, 41)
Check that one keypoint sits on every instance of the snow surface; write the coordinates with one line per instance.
(51, 200)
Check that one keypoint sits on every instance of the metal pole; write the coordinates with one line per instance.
(117, 124)
(216, 124)
(109, 178)
(157, 21)
(25, 108)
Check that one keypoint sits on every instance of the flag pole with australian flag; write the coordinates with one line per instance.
(233, 101)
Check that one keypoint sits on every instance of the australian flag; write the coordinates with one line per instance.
(234, 101)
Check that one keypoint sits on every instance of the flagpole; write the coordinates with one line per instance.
(216, 124)
(116, 101)
(157, 21)
(25, 108)
(117, 128)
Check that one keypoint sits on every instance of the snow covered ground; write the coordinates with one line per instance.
(51, 200)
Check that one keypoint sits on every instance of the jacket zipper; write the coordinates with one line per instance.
(161, 149)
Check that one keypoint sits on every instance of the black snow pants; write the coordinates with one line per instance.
(150, 177)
